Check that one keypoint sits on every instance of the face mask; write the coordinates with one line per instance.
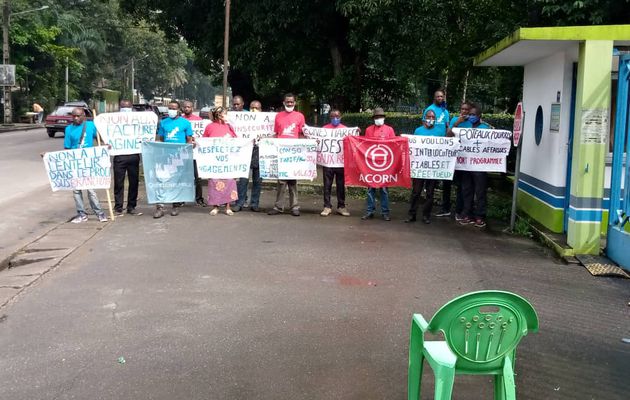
(289, 109)
(335, 121)
(429, 122)
(126, 109)
(379, 121)
(473, 119)
(172, 113)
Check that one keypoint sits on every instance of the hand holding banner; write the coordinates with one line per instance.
(222, 158)
(377, 163)
(252, 125)
(125, 131)
(484, 150)
(168, 172)
(78, 169)
(288, 159)
(433, 157)
(329, 144)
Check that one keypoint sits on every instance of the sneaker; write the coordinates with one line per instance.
(274, 211)
(202, 203)
(229, 212)
(175, 211)
(237, 208)
(459, 217)
(367, 216)
(343, 211)
(79, 218)
(133, 211)
(254, 209)
(102, 217)
(159, 213)
(480, 223)
(426, 220)
(410, 219)
(118, 213)
(295, 212)
(326, 212)
(214, 211)
(466, 221)
(386, 217)
(443, 213)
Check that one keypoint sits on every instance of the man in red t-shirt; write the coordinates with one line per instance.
(336, 174)
(382, 132)
(288, 125)
(188, 114)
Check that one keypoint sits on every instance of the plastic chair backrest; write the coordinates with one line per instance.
(481, 328)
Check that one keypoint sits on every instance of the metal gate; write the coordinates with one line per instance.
(618, 241)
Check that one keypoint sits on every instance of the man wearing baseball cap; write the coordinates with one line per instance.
(378, 131)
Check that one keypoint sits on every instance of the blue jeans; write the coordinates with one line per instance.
(371, 200)
(92, 198)
(241, 184)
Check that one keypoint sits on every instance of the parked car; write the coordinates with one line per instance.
(163, 111)
(147, 107)
(204, 113)
(61, 117)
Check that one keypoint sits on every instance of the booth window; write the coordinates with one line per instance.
(538, 125)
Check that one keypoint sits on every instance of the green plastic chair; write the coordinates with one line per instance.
(482, 330)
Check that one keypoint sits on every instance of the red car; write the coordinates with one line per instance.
(62, 117)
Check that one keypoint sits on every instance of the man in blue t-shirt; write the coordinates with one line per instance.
(428, 128)
(474, 183)
(447, 185)
(173, 129)
(81, 134)
(439, 108)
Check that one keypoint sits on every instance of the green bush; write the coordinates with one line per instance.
(407, 123)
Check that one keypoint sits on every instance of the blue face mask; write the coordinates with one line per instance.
(473, 119)
(443, 104)
(335, 121)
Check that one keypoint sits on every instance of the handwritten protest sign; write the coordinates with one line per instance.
(288, 159)
(252, 125)
(483, 149)
(329, 144)
(168, 172)
(78, 169)
(221, 158)
(199, 126)
(432, 157)
(125, 131)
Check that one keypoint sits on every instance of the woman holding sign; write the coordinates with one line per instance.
(220, 191)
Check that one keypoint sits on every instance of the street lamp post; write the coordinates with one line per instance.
(6, 24)
(226, 46)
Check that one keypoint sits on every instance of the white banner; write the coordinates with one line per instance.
(483, 150)
(252, 125)
(432, 157)
(125, 131)
(329, 144)
(78, 169)
(288, 159)
(199, 126)
(222, 158)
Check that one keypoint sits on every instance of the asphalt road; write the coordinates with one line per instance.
(261, 307)
(29, 207)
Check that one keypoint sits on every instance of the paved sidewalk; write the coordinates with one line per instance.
(278, 307)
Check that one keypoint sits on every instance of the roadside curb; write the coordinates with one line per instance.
(6, 129)
(42, 255)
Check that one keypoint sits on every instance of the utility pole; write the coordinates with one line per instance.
(133, 77)
(67, 76)
(6, 15)
(226, 46)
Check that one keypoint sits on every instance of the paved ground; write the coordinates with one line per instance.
(260, 307)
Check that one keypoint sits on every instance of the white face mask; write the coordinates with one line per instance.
(172, 113)
(126, 109)
(289, 109)
(379, 121)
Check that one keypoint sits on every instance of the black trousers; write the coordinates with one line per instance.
(335, 174)
(128, 165)
(198, 190)
(475, 189)
(418, 185)
(447, 190)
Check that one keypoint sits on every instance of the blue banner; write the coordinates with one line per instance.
(168, 172)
